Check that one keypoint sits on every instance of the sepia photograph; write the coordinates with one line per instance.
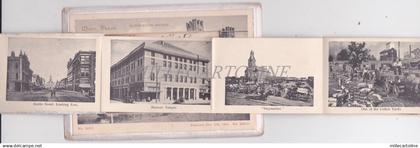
(267, 75)
(160, 72)
(50, 73)
(259, 86)
(380, 73)
(51, 70)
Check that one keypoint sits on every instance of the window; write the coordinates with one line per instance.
(84, 72)
(152, 76)
(182, 79)
(195, 80)
(204, 69)
(166, 77)
(192, 94)
(203, 81)
(164, 63)
(180, 66)
(164, 56)
(190, 67)
(185, 66)
(176, 78)
(195, 68)
(17, 66)
(195, 62)
(84, 59)
(169, 57)
(170, 77)
(17, 76)
(169, 64)
(191, 80)
(153, 61)
(153, 54)
(176, 65)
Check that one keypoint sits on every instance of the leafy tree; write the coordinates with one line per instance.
(343, 55)
(358, 54)
(330, 58)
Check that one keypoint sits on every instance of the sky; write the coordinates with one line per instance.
(375, 47)
(302, 55)
(121, 48)
(49, 56)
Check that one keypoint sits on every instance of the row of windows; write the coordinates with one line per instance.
(179, 59)
(133, 78)
(166, 63)
(181, 66)
(167, 78)
(182, 79)
(127, 68)
(84, 59)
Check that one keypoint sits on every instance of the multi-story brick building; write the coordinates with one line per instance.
(19, 73)
(81, 72)
(161, 72)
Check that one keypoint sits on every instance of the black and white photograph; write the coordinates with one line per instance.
(160, 72)
(116, 118)
(267, 75)
(51, 69)
(366, 73)
(258, 86)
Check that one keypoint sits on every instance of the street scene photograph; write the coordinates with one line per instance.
(110, 118)
(374, 74)
(160, 72)
(51, 69)
(259, 86)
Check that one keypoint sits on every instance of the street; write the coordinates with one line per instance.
(243, 99)
(45, 95)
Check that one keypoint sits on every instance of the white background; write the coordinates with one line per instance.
(390, 18)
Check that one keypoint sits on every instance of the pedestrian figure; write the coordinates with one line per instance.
(52, 92)
(365, 75)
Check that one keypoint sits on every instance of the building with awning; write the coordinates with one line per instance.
(161, 72)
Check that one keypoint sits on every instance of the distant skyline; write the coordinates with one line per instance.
(375, 46)
(49, 56)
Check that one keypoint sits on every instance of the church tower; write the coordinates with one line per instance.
(251, 60)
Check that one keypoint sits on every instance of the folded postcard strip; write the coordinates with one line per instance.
(50, 73)
(160, 125)
(173, 22)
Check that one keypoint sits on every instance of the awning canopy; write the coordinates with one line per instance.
(84, 85)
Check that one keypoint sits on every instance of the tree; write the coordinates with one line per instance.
(330, 58)
(343, 55)
(358, 54)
